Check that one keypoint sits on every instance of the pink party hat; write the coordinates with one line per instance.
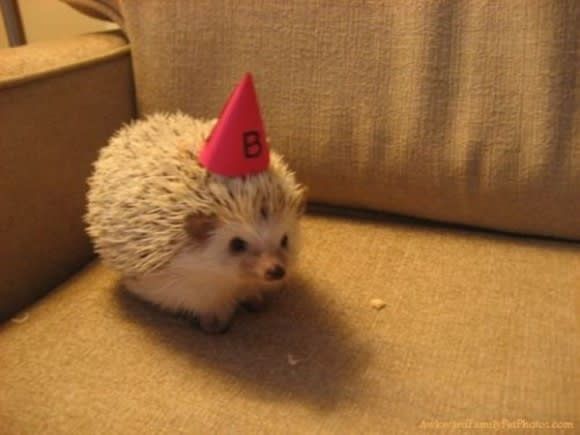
(237, 145)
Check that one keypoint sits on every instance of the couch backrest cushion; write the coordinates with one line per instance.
(457, 111)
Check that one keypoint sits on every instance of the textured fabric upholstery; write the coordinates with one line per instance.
(51, 57)
(476, 326)
(59, 103)
(457, 111)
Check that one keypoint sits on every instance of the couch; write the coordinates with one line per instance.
(440, 142)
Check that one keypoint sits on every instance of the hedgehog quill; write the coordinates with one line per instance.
(197, 216)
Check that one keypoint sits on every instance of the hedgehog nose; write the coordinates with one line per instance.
(275, 272)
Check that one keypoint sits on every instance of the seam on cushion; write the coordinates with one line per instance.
(18, 80)
(349, 212)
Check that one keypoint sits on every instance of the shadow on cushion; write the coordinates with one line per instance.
(297, 349)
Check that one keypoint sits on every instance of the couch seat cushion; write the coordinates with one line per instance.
(477, 327)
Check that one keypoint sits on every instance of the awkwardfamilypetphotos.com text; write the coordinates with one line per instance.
(504, 423)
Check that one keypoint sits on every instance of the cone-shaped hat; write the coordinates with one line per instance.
(237, 145)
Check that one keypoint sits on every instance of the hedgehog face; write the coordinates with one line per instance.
(258, 251)
(252, 235)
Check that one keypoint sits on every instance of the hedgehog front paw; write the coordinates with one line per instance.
(212, 323)
(255, 303)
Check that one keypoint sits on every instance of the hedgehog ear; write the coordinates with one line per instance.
(200, 226)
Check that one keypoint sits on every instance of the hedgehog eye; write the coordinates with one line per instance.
(238, 245)
(284, 241)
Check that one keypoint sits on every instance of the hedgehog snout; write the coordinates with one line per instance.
(275, 273)
(265, 266)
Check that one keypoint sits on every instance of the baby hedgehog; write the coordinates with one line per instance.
(186, 239)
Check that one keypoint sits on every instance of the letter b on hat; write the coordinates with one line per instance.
(252, 145)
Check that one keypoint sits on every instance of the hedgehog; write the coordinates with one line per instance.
(183, 238)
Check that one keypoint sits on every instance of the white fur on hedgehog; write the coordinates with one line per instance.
(148, 180)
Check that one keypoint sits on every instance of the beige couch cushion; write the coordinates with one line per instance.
(47, 58)
(59, 103)
(476, 327)
(457, 111)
